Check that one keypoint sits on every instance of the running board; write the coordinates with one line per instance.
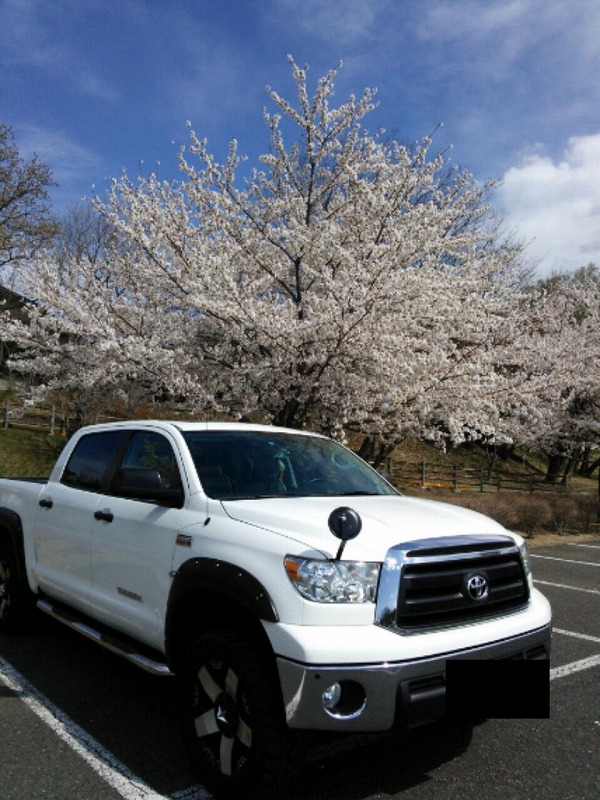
(121, 647)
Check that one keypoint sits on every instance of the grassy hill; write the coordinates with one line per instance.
(27, 453)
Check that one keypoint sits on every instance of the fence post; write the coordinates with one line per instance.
(52, 419)
(6, 407)
(422, 474)
(455, 477)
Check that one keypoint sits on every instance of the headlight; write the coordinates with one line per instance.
(334, 581)
(525, 558)
(526, 563)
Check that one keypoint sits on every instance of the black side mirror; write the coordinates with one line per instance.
(345, 524)
(141, 483)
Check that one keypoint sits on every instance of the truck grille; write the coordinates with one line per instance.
(437, 582)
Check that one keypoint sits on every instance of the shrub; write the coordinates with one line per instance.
(533, 512)
(565, 513)
(589, 510)
(529, 512)
(502, 508)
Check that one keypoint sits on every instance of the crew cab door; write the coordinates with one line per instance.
(133, 538)
(64, 518)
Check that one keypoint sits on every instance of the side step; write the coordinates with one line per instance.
(121, 647)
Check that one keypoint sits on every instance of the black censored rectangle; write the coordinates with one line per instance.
(498, 689)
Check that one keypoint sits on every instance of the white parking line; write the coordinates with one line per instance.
(101, 760)
(566, 586)
(583, 636)
(565, 560)
(591, 546)
(575, 666)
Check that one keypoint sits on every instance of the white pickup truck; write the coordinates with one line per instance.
(286, 582)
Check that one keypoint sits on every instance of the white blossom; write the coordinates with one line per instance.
(347, 283)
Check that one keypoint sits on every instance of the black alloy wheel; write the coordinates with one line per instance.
(15, 600)
(233, 716)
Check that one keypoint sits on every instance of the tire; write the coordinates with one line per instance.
(16, 601)
(233, 715)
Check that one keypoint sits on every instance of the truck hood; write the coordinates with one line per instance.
(387, 520)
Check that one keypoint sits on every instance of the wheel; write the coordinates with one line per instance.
(15, 599)
(233, 716)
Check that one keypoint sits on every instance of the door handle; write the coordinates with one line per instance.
(106, 516)
(44, 503)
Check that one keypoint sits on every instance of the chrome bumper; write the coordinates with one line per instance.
(379, 696)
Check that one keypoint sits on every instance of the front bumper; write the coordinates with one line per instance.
(379, 696)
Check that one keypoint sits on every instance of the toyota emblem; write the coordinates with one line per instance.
(478, 587)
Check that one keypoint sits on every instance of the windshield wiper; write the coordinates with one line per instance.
(357, 493)
(297, 494)
(251, 496)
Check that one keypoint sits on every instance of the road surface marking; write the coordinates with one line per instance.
(575, 666)
(591, 546)
(583, 636)
(566, 560)
(565, 586)
(102, 761)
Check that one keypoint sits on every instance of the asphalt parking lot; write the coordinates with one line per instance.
(77, 722)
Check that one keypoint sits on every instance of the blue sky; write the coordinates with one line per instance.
(95, 87)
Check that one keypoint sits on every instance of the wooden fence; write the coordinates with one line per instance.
(37, 419)
(45, 418)
(456, 478)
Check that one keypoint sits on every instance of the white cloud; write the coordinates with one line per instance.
(501, 41)
(43, 36)
(555, 206)
(444, 19)
(344, 22)
(66, 158)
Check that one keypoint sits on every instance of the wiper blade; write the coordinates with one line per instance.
(252, 496)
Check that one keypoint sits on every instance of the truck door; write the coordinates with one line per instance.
(63, 523)
(133, 538)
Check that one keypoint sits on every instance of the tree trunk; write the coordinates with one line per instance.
(589, 469)
(289, 415)
(557, 465)
(585, 460)
(377, 453)
(570, 469)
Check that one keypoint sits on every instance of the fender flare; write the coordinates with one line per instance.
(222, 577)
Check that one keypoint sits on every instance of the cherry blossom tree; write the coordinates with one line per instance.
(343, 284)
(559, 414)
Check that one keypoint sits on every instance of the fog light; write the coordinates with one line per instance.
(344, 700)
(332, 696)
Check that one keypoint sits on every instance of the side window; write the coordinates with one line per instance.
(149, 471)
(90, 460)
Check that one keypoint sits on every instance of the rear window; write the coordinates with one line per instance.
(91, 459)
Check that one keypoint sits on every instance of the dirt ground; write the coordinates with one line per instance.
(545, 538)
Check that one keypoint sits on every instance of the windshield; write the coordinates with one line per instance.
(236, 465)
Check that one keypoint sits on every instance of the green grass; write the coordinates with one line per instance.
(27, 453)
